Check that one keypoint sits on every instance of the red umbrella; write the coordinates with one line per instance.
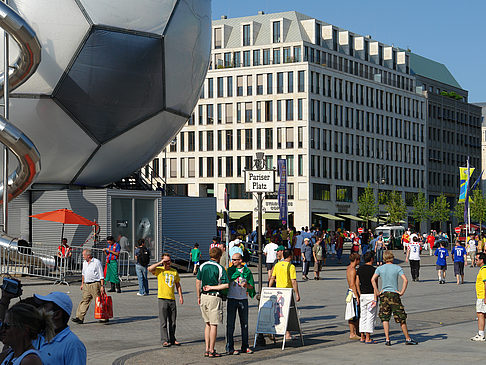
(64, 216)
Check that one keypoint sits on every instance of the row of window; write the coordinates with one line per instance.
(453, 138)
(350, 170)
(225, 166)
(443, 113)
(443, 180)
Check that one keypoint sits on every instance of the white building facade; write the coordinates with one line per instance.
(341, 108)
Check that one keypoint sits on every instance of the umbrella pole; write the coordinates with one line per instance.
(62, 232)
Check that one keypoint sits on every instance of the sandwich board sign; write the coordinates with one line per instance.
(277, 313)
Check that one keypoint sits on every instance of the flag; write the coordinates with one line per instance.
(464, 175)
(282, 191)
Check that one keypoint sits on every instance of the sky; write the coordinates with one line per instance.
(447, 31)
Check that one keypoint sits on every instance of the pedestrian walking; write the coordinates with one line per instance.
(390, 297)
(241, 284)
(471, 248)
(441, 263)
(459, 257)
(142, 261)
(211, 286)
(413, 257)
(480, 295)
(368, 298)
(352, 297)
(270, 252)
(195, 257)
(167, 281)
(307, 255)
(112, 253)
(380, 247)
(319, 254)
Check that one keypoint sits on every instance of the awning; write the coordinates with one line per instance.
(352, 217)
(238, 215)
(329, 216)
(272, 215)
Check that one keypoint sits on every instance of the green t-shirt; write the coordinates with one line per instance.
(195, 254)
(212, 273)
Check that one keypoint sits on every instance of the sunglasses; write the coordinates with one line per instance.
(235, 259)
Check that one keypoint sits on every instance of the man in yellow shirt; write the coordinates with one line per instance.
(480, 294)
(286, 277)
(168, 280)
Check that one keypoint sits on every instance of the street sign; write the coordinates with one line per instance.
(360, 230)
(260, 181)
(458, 230)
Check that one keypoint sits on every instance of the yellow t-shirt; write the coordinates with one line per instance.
(480, 279)
(166, 282)
(284, 272)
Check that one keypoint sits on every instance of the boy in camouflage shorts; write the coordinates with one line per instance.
(390, 302)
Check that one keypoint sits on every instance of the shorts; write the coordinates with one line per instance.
(441, 267)
(270, 265)
(211, 309)
(480, 306)
(195, 263)
(297, 252)
(459, 268)
(317, 265)
(391, 303)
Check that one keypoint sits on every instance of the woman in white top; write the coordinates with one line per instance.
(23, 323)
(471, 249)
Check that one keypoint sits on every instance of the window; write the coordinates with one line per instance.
(290, 82)
(238, 166)
(200, 114)
(239, 86)
(246, 35)
(183, 167)
(249, 85)
(173, 167)
(268, 111)
(279, 110)
(301, 81)
(217, 38)
(248, 139)
(210, 167)
(259, 139)
(300, 107)
(220, 166)
(209, 140)
(210, 88)
(256, 57)
(201, 141)
(269, 83)
(289, 109)
(276, 32)
(300, 165)
(297, 55)
(321, 192)
(220, 113)
(279, 82)
(191, 164)
(279, 138)
(238, 139)
(318, 34)
(259, 111)
(220, 87)
(228, 113)
(238, 112)
(289, 138)
(269, 162)
(229, 140)
(248, 162)
(229, 86)
(268, 138)
(227, 59)
(344, 194)
(266, 56)
(300, 137)
(246, 59)
(260, 84)
(290, 165)
(220, 140)
(286, 55)
(276, 56)
(236, 59)
(229, 166)
(192, 141)
(248, 113)
(209, 114)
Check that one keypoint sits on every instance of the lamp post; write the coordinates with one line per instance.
(380, 180)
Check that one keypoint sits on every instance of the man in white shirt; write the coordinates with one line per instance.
(92, 284)
(413, 256)
(270, 252)
(299, 241)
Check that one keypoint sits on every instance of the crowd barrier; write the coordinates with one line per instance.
(47, 263)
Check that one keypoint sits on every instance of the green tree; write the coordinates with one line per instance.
(367, 207)
(478, 207)
(459, 212)
(420, 210)
(439, 210)
(395, 207)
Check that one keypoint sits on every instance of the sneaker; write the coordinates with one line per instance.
(77, 320)
(140, 294)
(249, 351)
(388, 343)
(478, 337)
(411, 342)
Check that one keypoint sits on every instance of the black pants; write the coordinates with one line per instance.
(415, 268)
(167, 317)
(305, 267)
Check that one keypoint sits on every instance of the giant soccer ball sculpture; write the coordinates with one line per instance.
(117, 80)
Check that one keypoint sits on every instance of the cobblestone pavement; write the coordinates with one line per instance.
(441, 318)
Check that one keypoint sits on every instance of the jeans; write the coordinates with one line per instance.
(379, 255)
(142, 279)
(167, 313)
(305, 267)
(234, 305)
(339, 253)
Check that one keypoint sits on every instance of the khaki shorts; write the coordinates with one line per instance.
(480, 306)
(211, 309)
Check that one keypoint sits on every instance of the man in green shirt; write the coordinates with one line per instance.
(211, 283)
(195, 257)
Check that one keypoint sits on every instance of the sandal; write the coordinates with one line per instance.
(234, 352)
(249, 351)
(206, 354)
(176, 343)
(370, 342)
(214, 354)
(166, 344)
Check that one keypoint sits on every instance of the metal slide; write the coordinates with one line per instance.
(19, 144)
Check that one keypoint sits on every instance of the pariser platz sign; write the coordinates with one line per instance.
(260, 181)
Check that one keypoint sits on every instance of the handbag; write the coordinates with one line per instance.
(103, 307)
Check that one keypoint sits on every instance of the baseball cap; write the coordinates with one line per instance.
(280, 248)
(306, 239)
(61, 299)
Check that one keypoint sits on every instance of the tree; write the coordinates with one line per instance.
(459, 212)
(478, 207)
(420, 211)
(439, 210)
(395, 206)
(367, 207)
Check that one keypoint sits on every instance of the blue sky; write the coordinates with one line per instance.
(447, 31)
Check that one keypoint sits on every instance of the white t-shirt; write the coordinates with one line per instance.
(471, 245)
(235, 291)
(270, 252)
(414, 251)
(299, 240)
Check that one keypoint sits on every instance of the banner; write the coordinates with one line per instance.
(464, 182)
(282, 191)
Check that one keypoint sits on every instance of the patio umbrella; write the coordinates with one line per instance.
(64, 216)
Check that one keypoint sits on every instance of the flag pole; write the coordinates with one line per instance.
(468, 226)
